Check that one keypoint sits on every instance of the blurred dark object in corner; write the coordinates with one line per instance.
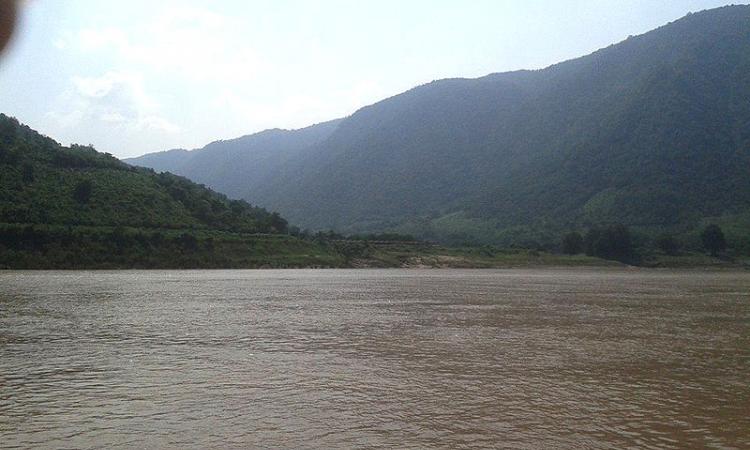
(7, 21)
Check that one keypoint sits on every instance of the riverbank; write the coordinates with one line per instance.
(434, 256)
(413, 256)
(63, 247)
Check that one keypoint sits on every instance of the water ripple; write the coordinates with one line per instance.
(375, 359)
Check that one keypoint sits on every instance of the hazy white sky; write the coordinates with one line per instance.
(138, 76)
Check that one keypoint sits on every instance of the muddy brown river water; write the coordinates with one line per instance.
(525, 359)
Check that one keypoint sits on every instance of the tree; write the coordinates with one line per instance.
(713, 239)
(278, 223)
(667, 244)
(610, 242)
(82, 191)
(188, 242)
(8, 131)
(27, 173)
(119, 237)
(572, 243)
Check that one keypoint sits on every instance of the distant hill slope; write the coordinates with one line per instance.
(43, 183)
(76, 208)
(237, 167)
(651, 132)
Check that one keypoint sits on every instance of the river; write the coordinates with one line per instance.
(524, 359)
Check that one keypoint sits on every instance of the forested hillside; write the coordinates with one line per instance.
(42, 182)
(75, 207)
(653, 132)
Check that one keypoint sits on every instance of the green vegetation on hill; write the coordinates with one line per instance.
(652, 133)
(73, 207)
(42, 182)
(637, 153)
(84, 247)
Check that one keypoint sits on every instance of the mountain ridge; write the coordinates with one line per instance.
(636, 132)
(232, 159)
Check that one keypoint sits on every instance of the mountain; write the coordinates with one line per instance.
(73, 207)
(238, 167)
(42, 182)
(653, 132)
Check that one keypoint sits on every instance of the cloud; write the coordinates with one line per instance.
(205, 78)
(200, 44)
(115, 99)
(157, 123)
(91, 39)
(124, 87)
(185, 42)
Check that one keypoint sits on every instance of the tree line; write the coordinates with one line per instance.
(616, 242)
